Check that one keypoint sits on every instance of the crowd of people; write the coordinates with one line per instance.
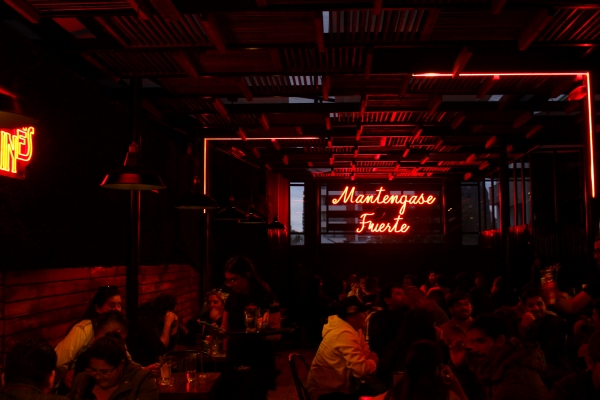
(447, 338)
(457, 339)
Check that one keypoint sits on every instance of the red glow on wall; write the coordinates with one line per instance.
(16, 150)
(348, 197)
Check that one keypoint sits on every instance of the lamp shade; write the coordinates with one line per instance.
(11, 114)
(196, 200)
(230, 213)
(253, 218)
(132, 175)
(276, 225)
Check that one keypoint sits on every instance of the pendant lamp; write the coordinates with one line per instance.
(230, 213)
(276, 225)
(196, 200)
(132, 175)
(253, 217)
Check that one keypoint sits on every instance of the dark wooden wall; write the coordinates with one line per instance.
(46, 303)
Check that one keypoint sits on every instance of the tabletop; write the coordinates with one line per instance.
(181, 389)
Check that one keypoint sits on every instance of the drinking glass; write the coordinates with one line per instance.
(165, 371)
(190, 367)
(262, 319)
(250, 321)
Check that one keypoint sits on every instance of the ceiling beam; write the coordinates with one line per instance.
(461, 61)
(531, 32)
(26, 10)
(210, 26)
(319, 35)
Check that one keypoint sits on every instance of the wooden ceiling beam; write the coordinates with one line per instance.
(210, 26)
(166, 10)
(432, 16)
(26, 10)
(531, 31)
(319, 34)
(461, 61)
(497, 6)
(245, 89)
(325, 86)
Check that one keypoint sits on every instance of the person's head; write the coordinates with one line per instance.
(31, 362)
(480, 280)
(107, 356)
(215, 304)
(371, 285)
(532, 301)
(362, 281)
(459, 305)
(592, 359)
(353, 311)
(486, 336)
(431, 277)
(498, 285)
(241, 276)
(106, 298)
(111, 322)
(409, 281)
(392, 297)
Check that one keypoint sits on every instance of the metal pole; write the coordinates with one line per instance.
(132, 270)
(555, 187)
(504, 207)
(523, 215)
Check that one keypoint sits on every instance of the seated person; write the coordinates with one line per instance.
(425, 377)
(110, 375)
(29, 372)
(81, 334)
(549, 331)
(343, 356)
(585, 384)
(505, 368)
(215, 305)
(113, 322)
(156, 332)
(370, 291)
(385, 325)
(459, 305)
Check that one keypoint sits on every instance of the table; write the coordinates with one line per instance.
(181, 389)
(266, 332)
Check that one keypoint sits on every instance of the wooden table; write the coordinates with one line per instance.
(181, 389)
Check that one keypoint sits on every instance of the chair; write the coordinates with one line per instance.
(179, 355)
(302, 392)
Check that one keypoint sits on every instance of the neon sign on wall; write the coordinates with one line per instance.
(348, 197)
(16, 149)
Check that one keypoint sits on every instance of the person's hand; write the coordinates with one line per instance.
(68, 379)
(152, 368)
(450, 379)
(373, 356)
(527, 320)
(458, 351)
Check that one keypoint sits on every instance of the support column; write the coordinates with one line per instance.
(504, 206)
(133, 266)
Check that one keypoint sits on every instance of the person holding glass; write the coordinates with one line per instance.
(110, 375)
(81, 334)
(250, 359)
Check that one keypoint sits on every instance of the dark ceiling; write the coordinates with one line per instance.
(331, 84)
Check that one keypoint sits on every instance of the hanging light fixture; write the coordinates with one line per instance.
(196, 200)
(276, 225)
(132, 175)
(253, 217)
(230, 213)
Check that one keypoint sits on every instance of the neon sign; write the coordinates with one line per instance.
(348, 197)
(16, 149)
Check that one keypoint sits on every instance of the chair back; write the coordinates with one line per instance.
(302, 392)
